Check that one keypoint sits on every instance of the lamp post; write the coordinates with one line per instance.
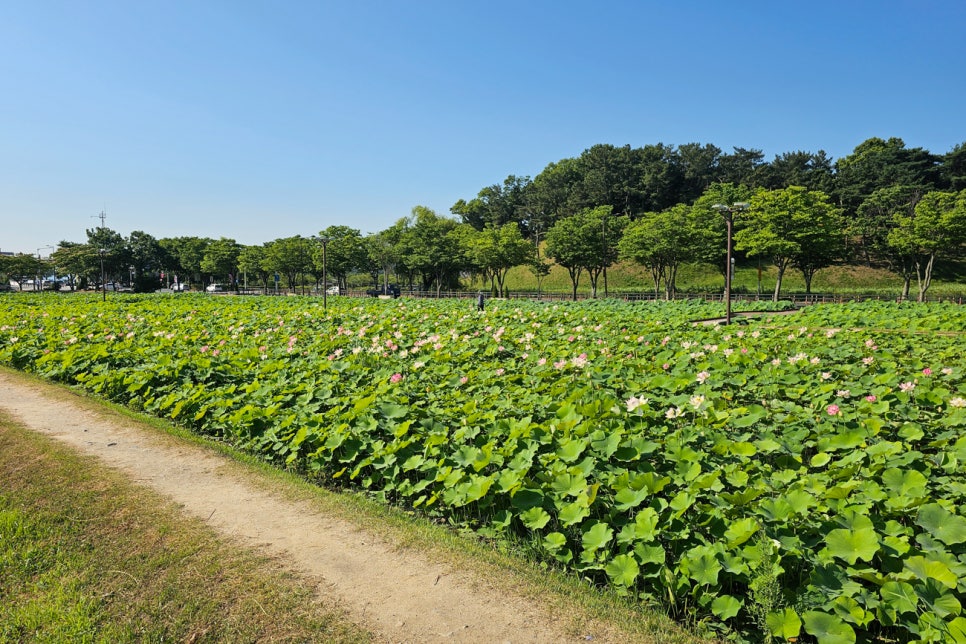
(39, 279)
(728, 213)
(325, 277)
(101, 251)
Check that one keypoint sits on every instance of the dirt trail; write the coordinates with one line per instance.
(401, 596)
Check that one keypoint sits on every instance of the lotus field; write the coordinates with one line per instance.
(797, 477)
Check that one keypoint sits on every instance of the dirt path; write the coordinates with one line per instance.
(399, 595)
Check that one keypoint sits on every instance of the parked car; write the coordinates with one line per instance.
(216, 288)
(392, 290)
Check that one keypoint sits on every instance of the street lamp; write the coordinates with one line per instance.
(728, 213)
(101, 251)
(39, 279)
(325, 277)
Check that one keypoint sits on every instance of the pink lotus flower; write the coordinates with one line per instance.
(396, 377)
(927, 371)
(907, 386)
(702, 376)
(832, 410)
(871, 398)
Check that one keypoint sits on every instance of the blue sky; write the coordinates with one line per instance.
(259, 120)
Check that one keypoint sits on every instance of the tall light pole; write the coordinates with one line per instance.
(101, 251)
(728, 213)
(39, 279)
(325, 277)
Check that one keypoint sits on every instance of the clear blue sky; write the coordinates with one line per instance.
(259, 120)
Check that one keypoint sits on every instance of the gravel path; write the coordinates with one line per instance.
(400, 595)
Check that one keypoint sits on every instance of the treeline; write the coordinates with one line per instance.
(660, 206)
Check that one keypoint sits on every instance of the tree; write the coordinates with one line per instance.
(496, 250)
(496, 205)
(875, 219)
(114, 249)
(954, 168)
(585, 242)
(743, 167)
(187, 254)
(221, 260)
(663, 241)
(80, 263)
(253, 260)
(384, 250)
(609, 176)
(345, 252)
(876, 163)
(22, 267)
(936, 226)
(549, 194)
(793, 227)
(147, 261)
(290, 256)
(708, 229)
(813, 171)
(432, 248)
(697, 168)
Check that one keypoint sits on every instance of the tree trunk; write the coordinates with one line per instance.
(924, 277)
(778, 281)
(574, 279)
(906, 282)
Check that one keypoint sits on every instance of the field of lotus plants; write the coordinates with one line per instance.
(790, 478)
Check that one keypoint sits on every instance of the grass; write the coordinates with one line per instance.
(86, 556)
(507, 566)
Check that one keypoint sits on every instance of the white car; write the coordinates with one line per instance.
(216, 288)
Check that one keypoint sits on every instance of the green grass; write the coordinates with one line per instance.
(86, 556)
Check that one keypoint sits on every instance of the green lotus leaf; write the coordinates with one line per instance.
(828, 629)
(942, 524)
(725, 606)
(623, 570)
(785, 624)
(852, 545)
(535, 518)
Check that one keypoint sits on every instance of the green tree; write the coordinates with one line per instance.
(496, 205)
(385, 251)
(79, 263)
(875, 219)
(936, 226)
(147, 261)
(116, 254)
(345, 252)
(586, 241)
(432, 248)
(221, 261)
(291, 257)
(663, 241)
(187, 254)
(876, 163)
(793, 227)
(707, 227)
(954, 168)
(813, 171)
(22, 267)
(549, 195)
(253, 260)
(495, 250)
